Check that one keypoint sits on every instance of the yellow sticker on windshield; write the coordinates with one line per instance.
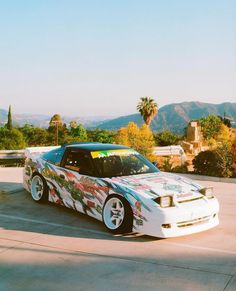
(109, 153)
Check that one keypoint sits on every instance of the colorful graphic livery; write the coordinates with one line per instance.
(117, 185)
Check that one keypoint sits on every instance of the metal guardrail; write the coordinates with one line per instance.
(11, 153)
(169, 150)
(17, 157)
(12, 158)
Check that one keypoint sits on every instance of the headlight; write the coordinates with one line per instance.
(208, 192)
(164, 201)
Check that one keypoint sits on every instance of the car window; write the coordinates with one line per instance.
(54, 156)
(79, 162)
(123, 165)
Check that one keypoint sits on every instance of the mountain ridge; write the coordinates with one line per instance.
(174, 117)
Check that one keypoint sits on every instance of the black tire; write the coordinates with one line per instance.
(120, 219)
(39, 188)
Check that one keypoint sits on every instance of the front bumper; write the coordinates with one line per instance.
(182, 220)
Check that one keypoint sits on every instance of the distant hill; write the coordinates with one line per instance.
(175, 117)
(3, 116)
(21, 119)
(41, 120)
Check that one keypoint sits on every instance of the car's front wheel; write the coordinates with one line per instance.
(39, 188)
(117, 214)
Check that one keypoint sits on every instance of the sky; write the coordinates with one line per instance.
(98, 57)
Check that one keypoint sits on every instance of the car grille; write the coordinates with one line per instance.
(195, 221)
(190, 200)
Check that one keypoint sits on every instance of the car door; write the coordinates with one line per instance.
(84, 193)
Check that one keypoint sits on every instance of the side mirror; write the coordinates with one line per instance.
(155, 164)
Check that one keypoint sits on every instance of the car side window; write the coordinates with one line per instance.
(54, 156)
(79, 162)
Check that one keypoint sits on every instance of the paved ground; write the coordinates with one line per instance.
(46, 247)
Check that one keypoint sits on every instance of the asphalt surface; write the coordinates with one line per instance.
(48, 247)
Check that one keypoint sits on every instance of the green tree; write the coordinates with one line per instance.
(11, 139)
(148, 109)
(9, 119)
(225, 120)
(101, 135)
(79, 132)
(56, 119)
(210, 126)
(73, 124)
(166, 138)
(35, 136)
(58, 133)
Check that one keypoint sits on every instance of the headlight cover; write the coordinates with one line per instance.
(164, 201)
(208, 192)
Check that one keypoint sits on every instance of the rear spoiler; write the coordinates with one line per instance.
(35, 151)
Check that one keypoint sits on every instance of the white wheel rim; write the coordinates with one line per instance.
(37, 188)
(113, 213)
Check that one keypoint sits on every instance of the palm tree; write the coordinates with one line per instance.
(148, 109)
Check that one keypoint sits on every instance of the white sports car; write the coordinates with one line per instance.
(117, 185)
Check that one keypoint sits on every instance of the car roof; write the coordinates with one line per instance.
(95, 146)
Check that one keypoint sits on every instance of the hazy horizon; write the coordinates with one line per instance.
(97, 58)
(99, 116)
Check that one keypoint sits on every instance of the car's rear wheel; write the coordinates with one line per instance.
(117, 214)
(39, 188)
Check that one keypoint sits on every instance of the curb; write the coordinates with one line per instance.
(208, 178)
(15, 191)
(12, 191)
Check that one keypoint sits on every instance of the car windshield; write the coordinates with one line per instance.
(125, 162)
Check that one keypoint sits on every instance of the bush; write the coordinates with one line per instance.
(217, 162)
(34, 136)
(166, 138)
(205, 163)
(11, 139)
(181, 169)
(166, 165)
(224, 157)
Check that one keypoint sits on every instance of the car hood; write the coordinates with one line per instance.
(159, 184)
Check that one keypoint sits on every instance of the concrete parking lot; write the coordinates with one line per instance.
(47, 247)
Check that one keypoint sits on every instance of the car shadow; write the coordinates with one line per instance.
(20, 213)
(6, 187)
